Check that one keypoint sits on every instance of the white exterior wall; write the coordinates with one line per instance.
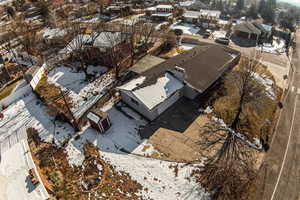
(143, 110)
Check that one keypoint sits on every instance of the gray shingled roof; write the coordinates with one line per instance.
(203, 65)
(247, 27)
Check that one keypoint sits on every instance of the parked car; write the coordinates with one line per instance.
(206, 35)
(222, 40)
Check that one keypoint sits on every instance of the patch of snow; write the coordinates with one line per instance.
(100, 168)
(237, 134)
(75, 156)
(145, 149)
(14, 182)
(133, 83)
(52, 33)
(218, 34)
(129, 20)
(158, 177)
(267, 83)
(208, 110)
(186, 28)
(277, 47)
(29, 112)
(122, 135)
(187, 46)
(223, 22)
(83, 94)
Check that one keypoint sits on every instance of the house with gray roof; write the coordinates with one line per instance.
(247, 30)
(189, 74)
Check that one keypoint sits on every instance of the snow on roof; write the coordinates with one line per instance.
(133, 83)
(186, 3)
(51, 33)
(164, 6)
(91, 116)
(104, 39)
(162, 14)
(108, 39)
(151, 8)
(191, 14)
(155, 94)
(210, 13)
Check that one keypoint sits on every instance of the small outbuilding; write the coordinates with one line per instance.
(99, 120)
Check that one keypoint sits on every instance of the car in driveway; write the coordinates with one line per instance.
(222, 40)
(206, 35)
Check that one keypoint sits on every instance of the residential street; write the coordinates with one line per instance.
(280, 174)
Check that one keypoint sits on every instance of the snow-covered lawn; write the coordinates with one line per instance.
(14, 181)
(129, 20)
(267, 83)
(122, 136)
(29, 112)
(187, 46)
(157, 177)
(82, 93)
(189, 29)
(218, 34)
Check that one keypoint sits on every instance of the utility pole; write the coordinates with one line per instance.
(74, 122)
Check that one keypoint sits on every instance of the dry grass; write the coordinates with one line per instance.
(225, 102)
(7, 90)
(50, 93)
(15, 71)
(172, 52)
(66, 181)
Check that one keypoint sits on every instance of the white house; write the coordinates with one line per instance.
(156, 88)
(153, 99)
(163, 13)
(191, 16)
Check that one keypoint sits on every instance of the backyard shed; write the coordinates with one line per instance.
(99, 120)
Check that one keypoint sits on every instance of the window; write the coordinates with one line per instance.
(134, 101)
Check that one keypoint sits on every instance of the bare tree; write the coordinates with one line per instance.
(78, 39)
(116, 41)
(146, 34)
(28, 38)
(229, 170)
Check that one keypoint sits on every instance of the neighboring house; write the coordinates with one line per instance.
(193, 5)
(120, 9)
(99, 47)
(163, 13)
(189, 74)
(209, 18)
(247, 30)
(205, 18)
(191, 16)
(266, 30)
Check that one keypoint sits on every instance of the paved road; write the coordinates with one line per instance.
(280, 174)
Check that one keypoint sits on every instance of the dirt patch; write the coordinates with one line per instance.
(96, 178)
(177, 146)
